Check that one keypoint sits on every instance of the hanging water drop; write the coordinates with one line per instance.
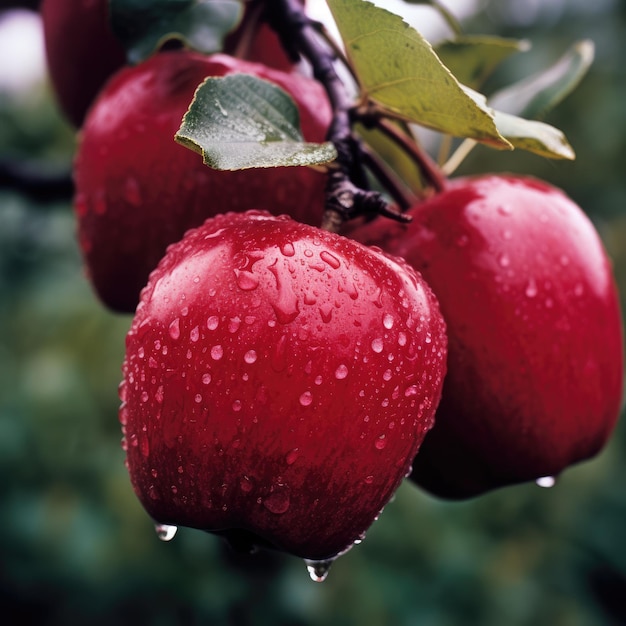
(165, 532)
(318, 570)
(546, 482)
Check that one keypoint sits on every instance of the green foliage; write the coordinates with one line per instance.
(143, 27)
(240, 121)
(76, 546)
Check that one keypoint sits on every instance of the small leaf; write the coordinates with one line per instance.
(201, 24)
(398, 69)
(534, 136)
(241, 121)
(534, 96)
(473, 59)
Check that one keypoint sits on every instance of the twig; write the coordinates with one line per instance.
(35, 181)
(345, 199)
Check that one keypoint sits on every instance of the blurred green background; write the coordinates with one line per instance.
(77, 548)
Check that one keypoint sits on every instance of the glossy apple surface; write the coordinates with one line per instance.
(535, 362)
(81, 52)
(138, 191)
(278, 381)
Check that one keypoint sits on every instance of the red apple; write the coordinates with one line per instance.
(81, 51)
(535, 361)
(138, 191)
(278, 382)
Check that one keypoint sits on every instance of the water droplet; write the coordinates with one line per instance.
(206, 379)
(233, 324)
(174, 329)
(165, 532)
(158, 395)
(411, 391)
(144, 396)
(531, 289)
(377, 345)
(318, 570)
(504, 260)
(380, 443)
(388, 321)
(250, 357)
(194, 335)
(318, 380)
(237, 406)
(546, 481)
(306, 398)
(287, 249)
(198, 398)
(326, 313)
(331, 259)
(387, 375)
(278, 500)
(245, 484)
(213, 322)
(247, 281)
(341, 372)
(402, 339)
(217, 352)
(292, 456)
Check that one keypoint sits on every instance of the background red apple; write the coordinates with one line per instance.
(138, 191)
(81, 51)
(278, 381)
(535, 363)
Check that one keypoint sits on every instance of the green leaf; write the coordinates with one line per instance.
(241, 121)
(473, 59)
(143, 26)
(534, 96)
(534, 136)
(398, 69)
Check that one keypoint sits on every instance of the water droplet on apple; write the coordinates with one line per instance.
(292, 456)
(245, 484)
(194, 335)
(330, 259)
(212, 322)
(278, 500)
(546, 481)
(377, 345)
(318, 570)
(504, 260)
(341, 372)
(287, 249)
(388, 321)
(174, 329)
(233, 324)
(217, 352)
(306, 398)
(247, 281)
(165, 532)
(250, 357)
(531, 289)
(380, 443)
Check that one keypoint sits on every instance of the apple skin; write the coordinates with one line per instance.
(81, 51)
(535, 362)
(138, 191)
(278, 381)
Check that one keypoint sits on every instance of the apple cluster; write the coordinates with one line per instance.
(280, 380)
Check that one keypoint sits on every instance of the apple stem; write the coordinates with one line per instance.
(347, 195)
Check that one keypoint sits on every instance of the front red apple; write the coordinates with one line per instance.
(278, 382)
(138, 191)
(535, 362)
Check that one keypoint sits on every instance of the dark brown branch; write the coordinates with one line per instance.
(37, 182)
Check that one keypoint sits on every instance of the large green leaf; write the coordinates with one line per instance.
(472, 59)
(201, 24)
(398, 69)
(241, 121)
(534, 96)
